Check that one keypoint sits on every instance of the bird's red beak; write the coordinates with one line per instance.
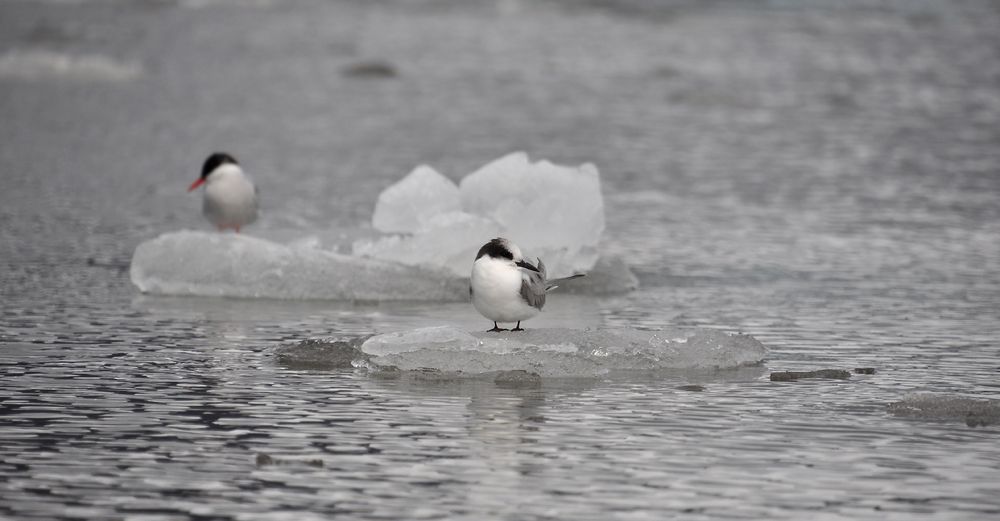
(196, 184)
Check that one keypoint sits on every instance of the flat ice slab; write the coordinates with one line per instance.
(236, 265)
(562, 352)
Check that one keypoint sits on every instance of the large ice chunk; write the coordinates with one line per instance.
(562, 352)
(407, 205)
(551, 211)
(235, 265)
(449, 240)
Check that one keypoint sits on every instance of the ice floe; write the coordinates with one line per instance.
(560, 352)
(236, 265)
(945, 407)
(34, 64)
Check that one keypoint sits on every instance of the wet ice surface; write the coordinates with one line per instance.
(561, 352)
(945, 407)
(820, 176)
(231, 265)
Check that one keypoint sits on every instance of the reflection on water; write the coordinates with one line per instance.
(819, 176)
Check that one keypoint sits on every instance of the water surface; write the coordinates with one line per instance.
(820, 175)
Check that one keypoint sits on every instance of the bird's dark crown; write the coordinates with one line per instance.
(215, 161)
(497, 248)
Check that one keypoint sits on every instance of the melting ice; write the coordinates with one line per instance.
(561, 352)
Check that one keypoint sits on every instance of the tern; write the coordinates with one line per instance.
(507, 288)
(230, 197)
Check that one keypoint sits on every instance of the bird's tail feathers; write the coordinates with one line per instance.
(554, 283)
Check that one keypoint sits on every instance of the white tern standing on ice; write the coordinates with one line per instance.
(505, 287)
(230, 197)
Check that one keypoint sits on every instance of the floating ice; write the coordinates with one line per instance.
(33, 64)
(420, 196)
(235, 265)
(561, 352)
(450, 241)
(943, 407)
(332, 353)
(550, 211)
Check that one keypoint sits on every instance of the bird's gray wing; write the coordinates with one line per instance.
(533, 286)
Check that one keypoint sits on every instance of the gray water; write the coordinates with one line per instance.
(824, 176)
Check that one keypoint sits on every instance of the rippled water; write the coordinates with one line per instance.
(820, 175)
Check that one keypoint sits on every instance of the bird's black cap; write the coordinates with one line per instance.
(215, 161)
(497, 248)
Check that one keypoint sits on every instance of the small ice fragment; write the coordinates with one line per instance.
(333, 353)
(33, 64)
(517, 379)
(409, 203)
(945, 407)
(791, 376)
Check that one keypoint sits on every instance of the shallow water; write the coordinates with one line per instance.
(820, 175)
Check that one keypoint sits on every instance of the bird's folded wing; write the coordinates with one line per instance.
(533, 288)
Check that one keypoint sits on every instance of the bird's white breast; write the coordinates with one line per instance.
(496, 290)
(230, 198)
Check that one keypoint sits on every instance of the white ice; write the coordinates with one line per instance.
(553, 212)
(238, 265)
(562, 352)
(450, 241)
(407, 205)
(34, 64)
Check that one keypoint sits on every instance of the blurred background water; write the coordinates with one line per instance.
(823, 175)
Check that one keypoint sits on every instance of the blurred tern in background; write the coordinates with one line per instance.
(230, 197)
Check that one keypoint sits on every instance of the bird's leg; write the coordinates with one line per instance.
(495, 329)
(517, 327)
